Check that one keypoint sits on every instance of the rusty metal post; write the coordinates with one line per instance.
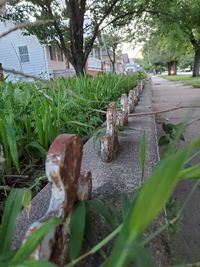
(109, 142)
(131, 101)
(124, 108)
(142, 82)
(136, 99)
(63, 165)
(1, 72)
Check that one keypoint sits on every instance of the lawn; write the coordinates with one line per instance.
(185, 78)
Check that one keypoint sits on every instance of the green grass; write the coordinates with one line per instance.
(185, 78)
(32, 115)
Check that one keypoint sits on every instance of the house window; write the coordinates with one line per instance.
(97, 53)
(23, 54)
(59, 54)
(52, 52)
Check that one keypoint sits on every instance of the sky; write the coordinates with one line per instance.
(132, 52)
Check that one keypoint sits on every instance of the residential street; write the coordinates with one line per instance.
(167, 94)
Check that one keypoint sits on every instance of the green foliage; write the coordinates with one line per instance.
(68, 26)
(147, 205)
(47, 110)
(172, 211)
(137, 215)
(12, 207)
(24, 252)
(77, 229)
(175, 33)
(9, 257)
(173, 135)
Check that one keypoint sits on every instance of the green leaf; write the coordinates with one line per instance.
(27, 202)
(168, 128)
(6, 257)
(163, 141)
(102, 209)
(37, 146)
(35, 263)
(163, 180)
(149, 201)
(33, 240)
(143, 148)
(77, 229)
(27, 199)
(10, 132)
(191, 172)
(12, 208)
(142, 257)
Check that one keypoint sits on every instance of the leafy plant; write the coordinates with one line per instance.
(47, 110)
(174, 133)
(146, 205)
(19, 257)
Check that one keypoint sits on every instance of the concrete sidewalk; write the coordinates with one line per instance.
(167, 94)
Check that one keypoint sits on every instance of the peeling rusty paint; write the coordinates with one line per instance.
(131, 105)
(63, 165)
(109, 142)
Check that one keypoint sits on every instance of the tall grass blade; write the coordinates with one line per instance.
(33, 240)
(149, 201)
(102, 209)
(10, 132)
(77, 229)
(12, 208)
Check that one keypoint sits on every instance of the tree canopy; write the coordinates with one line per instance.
(180, 20)
(73, 25)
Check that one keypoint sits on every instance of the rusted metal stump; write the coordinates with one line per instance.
(136, 95)
(142, 84)
(122, 114)
(63, 165)
(109, 142)
(131, 105)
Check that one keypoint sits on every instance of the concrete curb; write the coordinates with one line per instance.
(110, 180)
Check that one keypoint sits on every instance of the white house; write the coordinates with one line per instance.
(26, 54)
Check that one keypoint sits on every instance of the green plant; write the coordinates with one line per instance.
(32, 115)
(146, 205)
(20, 257)
(174, 133)
(136, 216)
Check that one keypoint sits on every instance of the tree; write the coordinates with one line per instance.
(110, 41)
(73, 25)
(182, 19)
(165, 49)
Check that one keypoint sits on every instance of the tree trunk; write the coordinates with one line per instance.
(196, 63)
(114, 60)
(79, 68)
(172, 67)
(113, 67)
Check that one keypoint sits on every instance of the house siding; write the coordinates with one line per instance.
(9, 53)
(56, 68)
